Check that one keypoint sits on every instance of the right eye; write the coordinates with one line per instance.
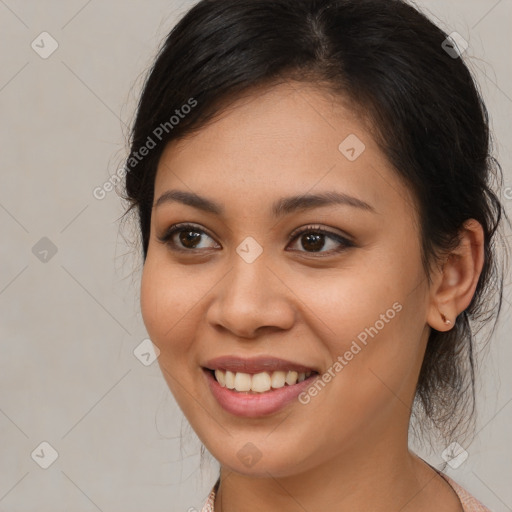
(187, 239)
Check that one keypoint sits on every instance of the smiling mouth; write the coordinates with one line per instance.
(258, 383)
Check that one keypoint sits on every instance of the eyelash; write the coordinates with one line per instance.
(166, 238)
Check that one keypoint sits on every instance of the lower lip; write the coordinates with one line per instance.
(252, 405)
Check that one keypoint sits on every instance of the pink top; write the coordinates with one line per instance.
(469, 503)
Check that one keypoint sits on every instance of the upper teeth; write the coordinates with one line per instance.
(259, 382)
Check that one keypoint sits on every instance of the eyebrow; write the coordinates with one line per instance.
(281, 207)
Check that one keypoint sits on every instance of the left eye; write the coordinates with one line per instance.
(314, 237)
(311, 237)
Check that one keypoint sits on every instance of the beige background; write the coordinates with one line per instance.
(69, 326)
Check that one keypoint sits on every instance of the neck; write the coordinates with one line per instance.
(381, 475)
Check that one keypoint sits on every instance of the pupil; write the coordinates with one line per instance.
(318, 241)
(188, 238)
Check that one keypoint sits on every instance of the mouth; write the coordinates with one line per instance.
(258, 386)
(261, 382)
(257, 374)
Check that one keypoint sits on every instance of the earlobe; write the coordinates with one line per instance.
(455, 283)
(445, 320)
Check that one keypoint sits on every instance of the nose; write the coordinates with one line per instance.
(250, 298)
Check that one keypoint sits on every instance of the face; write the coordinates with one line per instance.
(335, 287)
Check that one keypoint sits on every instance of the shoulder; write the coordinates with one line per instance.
(209, 504)
(469, 502)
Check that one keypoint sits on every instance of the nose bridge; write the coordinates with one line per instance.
(249, 286)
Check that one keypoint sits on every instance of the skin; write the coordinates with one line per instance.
(347, 448)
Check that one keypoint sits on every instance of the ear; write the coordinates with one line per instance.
(453, 286)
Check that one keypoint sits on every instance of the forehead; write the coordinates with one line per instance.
(291, 138)
(276, 118)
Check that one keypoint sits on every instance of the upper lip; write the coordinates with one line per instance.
(254, 364)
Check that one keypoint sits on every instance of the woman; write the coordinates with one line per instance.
(311, 179)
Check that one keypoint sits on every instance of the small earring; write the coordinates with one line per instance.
(447, 322)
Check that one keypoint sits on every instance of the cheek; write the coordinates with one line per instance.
(167, 303)
(373, 316)
(348, 299)
(153, 302)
